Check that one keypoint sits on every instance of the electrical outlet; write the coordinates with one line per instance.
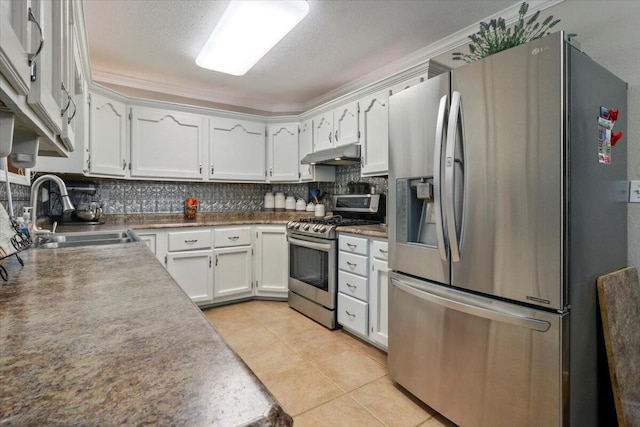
(634, 192)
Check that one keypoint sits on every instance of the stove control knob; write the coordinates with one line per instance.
(322, 229)
(290, 225)
(296, 225)
(306, 227)
(316, 227)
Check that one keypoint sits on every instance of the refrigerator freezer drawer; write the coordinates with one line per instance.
(478, 361)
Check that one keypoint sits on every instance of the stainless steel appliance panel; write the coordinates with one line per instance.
(416, 232)
(512, 137)
(596, 246)
(479, 362)
(312, 269)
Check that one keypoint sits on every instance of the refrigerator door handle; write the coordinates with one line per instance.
(474, 310)
(455, 120)
(437, 160)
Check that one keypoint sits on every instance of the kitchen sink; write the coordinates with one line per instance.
(89, 238)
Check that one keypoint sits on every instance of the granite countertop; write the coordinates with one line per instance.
(211, 219)
(203, 219)
(379, 231)
(103, 335)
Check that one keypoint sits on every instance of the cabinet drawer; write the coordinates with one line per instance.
(380, 249)
(353, 313)
(356, 264)
(187, 240)
(355, 286)
(355, 245)
(237, 236)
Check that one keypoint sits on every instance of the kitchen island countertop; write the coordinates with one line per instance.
(102, 335)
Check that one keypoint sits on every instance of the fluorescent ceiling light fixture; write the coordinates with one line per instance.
(247, 31)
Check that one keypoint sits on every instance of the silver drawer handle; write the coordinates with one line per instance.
(233, 237)
(351, 286)
(351, 264)
(191, 241)
(383, 251)
(349, 314)
(351, 245)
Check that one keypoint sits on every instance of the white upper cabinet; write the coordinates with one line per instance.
(47, 95)
(374, 125)
(236, 150)
(282, 149)
(323, 131)
(166, 144)
(15, 35)
(305, 144)
(107, 136)
(345, 124)
(336, 127)
(70, 75)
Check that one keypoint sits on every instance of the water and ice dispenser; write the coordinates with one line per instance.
(415, 215)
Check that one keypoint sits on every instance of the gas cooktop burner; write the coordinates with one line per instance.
(338, 221)
(324, 228)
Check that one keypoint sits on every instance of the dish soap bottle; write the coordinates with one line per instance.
(26, 218)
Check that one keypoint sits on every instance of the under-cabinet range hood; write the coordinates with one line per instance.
(344, 155)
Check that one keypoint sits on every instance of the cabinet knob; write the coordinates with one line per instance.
(351, 264)
(349, 314)
(124, 164)
(330, 135)
(336, 134)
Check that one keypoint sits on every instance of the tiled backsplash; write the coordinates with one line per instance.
(130, 197)
(20, 195)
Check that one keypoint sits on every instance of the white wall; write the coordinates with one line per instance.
(609, 32)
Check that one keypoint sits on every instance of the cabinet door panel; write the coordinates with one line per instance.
(232, 271)
(166, 144)
(237, 150)
(192, 271)
(323, 131)
(272, 261)
(46, 95)
(283, 150)
(107, 136)
(345, 127)
(14, 43)
(379, 302)
(374, 122)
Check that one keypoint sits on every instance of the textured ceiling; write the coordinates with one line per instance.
(153, 44)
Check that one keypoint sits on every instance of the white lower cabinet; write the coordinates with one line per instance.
(189, 260)
(363, 288)
(379, 297)
(223, 264)
(192, 271)
(232, 273)
(271, 266)
(233, 263)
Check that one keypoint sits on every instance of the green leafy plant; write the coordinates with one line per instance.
(495, 37)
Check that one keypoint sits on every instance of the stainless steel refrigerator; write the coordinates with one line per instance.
(502, 214)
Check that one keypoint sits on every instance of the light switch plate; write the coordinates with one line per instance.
(634, 192)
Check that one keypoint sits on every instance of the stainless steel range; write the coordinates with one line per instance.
(313, 254)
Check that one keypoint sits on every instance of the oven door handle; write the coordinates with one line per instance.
(326, 247)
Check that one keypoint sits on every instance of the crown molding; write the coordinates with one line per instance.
(138, 83)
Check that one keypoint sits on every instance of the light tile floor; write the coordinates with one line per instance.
(320, 377)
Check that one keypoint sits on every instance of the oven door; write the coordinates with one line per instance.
(312, 269)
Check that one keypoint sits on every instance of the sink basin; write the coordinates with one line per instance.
(89, 238)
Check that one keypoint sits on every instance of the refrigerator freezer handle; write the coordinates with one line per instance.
(437, 161)
(474, 310)
(455, 120)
